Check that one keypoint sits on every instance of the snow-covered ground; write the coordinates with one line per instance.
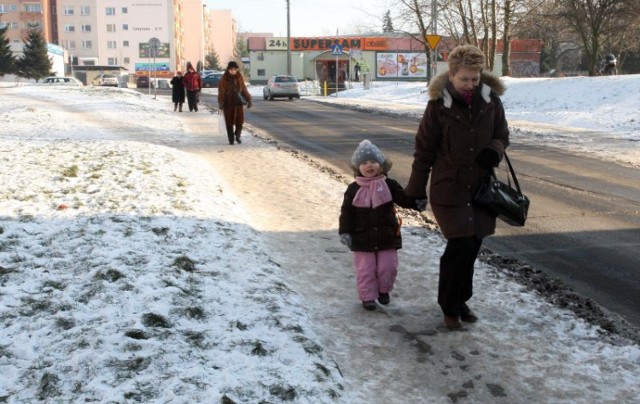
(597, 115)
(142, 259)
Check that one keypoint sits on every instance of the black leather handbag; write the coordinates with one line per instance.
(240, 99)
(508, 204)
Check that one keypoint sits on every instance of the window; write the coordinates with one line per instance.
(85, 28)
(69, 28)
(8, 8)
(125, 44)
(111, 10)
(71, 44)
(32, 7)
(112, 61)
(87, 45)
(111, 27)
(111, 44)
(261, 72)
(85, 10)
(68, 10)
(127, 61)
(124, 10)
(125, 27)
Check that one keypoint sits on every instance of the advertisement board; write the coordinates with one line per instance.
(401, 64)
(158, 69)
(162, 51)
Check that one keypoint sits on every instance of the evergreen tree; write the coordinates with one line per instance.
(34, 63)
(212, 61)
(7, 60)
(387, 24)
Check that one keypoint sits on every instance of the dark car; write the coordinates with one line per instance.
(142, 82)
(211, 80)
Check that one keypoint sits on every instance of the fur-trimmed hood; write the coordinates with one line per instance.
(489, 83)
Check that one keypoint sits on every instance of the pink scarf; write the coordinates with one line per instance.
(467, 96)
(373, 192)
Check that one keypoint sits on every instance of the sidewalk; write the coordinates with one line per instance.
(523, 350)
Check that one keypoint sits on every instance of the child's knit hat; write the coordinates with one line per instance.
(368, 151)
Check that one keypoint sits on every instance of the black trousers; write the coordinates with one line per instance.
(455, 286)
(192, 100)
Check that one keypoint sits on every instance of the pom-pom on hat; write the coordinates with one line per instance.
(368, 151)
(232, 65)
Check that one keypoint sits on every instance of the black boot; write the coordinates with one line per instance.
(180, 107)
(238, 132)
(175, 106)
(230, 134)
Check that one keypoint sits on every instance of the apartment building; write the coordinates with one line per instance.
(22, 16)
(118, 32)
(223, 34)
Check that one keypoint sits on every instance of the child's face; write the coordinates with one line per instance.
(369, 168)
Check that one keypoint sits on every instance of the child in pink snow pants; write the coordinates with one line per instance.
(369, 225)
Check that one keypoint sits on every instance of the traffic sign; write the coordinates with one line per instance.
(433, 40)
(154, 44)
(336, 50)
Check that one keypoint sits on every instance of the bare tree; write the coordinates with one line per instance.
(506, 39)
(594, 21)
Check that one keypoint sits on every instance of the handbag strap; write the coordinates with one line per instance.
(513, 173)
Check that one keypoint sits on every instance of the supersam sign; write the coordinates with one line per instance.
(306, 44)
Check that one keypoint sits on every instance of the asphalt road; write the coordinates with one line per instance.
(584, 224)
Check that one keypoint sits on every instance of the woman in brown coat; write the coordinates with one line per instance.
(231, 84)
(463, 134)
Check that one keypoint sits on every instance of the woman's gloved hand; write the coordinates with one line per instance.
(488, 158)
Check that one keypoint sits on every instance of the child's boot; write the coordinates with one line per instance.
(369, 305)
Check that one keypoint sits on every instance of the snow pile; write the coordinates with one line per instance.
(127, 273)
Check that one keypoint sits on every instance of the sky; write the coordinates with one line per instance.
(142, 258)
(307, 17)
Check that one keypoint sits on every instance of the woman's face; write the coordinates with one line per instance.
(465, 79)
(369, 168)
(233, 70)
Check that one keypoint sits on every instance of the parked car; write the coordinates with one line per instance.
(105, 80)
(142, 82)
(160, 83)
(211, 80)
(281, 86)
(62, 81)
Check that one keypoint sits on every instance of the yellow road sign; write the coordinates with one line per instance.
(433, 40)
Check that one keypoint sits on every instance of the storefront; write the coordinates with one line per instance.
(341, 59)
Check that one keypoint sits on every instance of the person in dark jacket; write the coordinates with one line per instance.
(232, 86)
(369, 226)
(462, 135)
(177, 91)
(193, 85)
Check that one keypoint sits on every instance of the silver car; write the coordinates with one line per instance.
(281, 86)
(105, 80)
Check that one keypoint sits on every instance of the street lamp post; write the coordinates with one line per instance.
(288, 40)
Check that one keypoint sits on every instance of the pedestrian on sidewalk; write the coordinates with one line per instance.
(232, 96)
(177, 91)
(462, 135)
(193, 84)
(369, 225)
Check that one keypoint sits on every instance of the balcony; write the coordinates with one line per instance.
(31, 15)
